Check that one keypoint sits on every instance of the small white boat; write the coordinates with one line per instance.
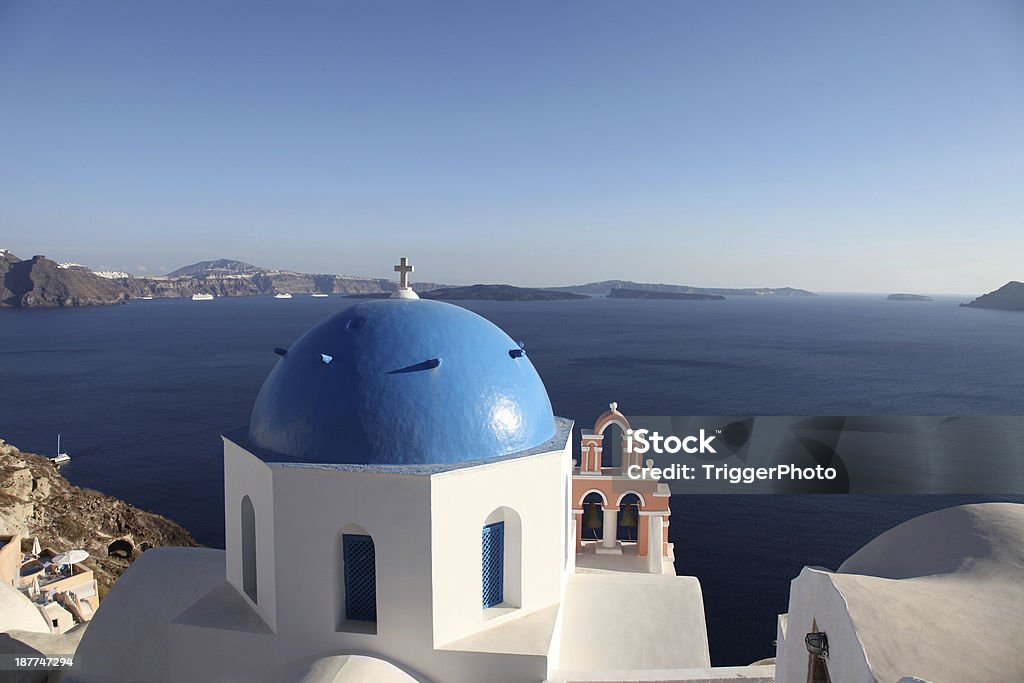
(319, 295)
(284, 295)
(61, 457)
(147, 298)
(202, 297)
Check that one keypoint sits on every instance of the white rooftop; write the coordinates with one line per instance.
(941, 596)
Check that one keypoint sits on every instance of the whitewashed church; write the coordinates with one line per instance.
(404, 506)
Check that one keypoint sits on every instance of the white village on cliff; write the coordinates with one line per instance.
(404, 506)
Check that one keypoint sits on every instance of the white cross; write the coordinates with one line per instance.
(403, 269)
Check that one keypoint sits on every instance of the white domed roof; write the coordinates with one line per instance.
(939, 596)
(344, 669)
(17, 613)
(956, 540)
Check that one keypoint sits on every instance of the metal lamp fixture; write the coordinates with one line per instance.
(817, 643)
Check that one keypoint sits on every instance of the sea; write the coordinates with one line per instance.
(141, 393)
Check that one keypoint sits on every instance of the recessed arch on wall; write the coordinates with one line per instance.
(248, 523)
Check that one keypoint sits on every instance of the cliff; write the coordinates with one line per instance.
(257, 284)
(41, 282)
(35, 500)
(1009, 297)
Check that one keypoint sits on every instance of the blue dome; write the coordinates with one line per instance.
(402, 382)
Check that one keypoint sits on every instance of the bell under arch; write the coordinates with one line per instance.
(628, 517)
(593, 505)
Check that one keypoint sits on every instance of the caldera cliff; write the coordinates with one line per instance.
(36, 501)
(42, 282)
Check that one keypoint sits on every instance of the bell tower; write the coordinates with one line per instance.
(615, 514)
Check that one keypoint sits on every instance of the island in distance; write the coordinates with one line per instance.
(908, 297)
(499, 293)
(1009, 297)
(605, 287)
(626, 293)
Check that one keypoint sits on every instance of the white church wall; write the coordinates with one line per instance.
(814, 600)
(314, 507)
(461, 502)
(476, 667)
(427, 595)
(246, 475)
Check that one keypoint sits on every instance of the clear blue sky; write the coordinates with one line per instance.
(875, 146)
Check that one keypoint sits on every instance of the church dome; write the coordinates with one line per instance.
(402, 382)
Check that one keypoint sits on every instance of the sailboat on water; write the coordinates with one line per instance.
(61, 456)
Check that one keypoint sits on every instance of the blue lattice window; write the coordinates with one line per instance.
(360, 578)
(493, 554)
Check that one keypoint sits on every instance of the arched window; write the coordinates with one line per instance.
(501, 559)
(611, 451)
(360, 559)
(248, 548)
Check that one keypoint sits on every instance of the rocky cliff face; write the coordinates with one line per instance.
(256, 284)
(35, 500)
(41, 282)
(7, 260)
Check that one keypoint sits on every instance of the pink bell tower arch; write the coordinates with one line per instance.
(613, 484)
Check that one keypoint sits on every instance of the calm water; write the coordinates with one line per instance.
(142, 392)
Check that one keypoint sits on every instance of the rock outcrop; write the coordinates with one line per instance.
(1009, 297)
(35, 500)
(42, 282)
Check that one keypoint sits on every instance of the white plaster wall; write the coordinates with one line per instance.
(569, 540)
(314, 506)
(813, 597)
(422, 591)
(247, 475)
(461, 501)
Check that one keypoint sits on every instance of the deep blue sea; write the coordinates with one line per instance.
(141, 394)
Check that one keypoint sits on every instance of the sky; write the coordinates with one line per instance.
(872, 146)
